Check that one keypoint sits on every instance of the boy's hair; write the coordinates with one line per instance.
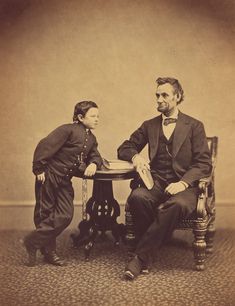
(81, 108)
(176, 85)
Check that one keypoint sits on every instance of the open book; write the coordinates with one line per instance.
(117, 164)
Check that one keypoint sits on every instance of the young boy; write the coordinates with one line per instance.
(65, 151)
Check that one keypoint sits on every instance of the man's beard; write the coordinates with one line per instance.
(162, 109)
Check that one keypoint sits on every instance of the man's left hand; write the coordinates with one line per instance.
(90, 170)
(174, 188)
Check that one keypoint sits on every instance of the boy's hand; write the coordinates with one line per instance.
(41, 177)
(90, 170)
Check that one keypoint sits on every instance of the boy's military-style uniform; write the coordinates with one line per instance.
(65, 152)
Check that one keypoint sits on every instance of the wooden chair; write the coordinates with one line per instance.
(201, 222)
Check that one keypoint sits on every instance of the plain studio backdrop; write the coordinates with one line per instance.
(55, 53)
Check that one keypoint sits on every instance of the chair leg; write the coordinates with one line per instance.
(210, 234)
(199, 246)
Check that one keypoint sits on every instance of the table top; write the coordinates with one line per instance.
(105, 174)
(114, 175)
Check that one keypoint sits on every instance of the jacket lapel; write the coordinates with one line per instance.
(154, 136)
(181, 131)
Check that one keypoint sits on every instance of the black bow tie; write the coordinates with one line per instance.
(169, 120)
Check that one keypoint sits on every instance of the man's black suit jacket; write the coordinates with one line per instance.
(190, 153)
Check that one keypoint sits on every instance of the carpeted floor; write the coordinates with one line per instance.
(100, 282)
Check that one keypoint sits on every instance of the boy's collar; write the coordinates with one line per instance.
(81, 124)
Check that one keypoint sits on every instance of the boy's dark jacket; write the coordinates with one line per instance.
(190, 155)
(65, 148)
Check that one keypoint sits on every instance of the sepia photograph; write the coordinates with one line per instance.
(117, 152)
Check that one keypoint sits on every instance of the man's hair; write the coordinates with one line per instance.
(81, 108)
(176, 85)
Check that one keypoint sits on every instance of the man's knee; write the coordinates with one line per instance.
(137, 198)
(140, 202)
(184, 205)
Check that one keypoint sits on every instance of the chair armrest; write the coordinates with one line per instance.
(206, 198)
(203, 194)
(204, 183)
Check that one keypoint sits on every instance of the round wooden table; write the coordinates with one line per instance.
(101, 211)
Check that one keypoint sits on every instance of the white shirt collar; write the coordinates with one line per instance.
(174, 115)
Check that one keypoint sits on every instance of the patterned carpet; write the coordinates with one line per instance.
(100, 282)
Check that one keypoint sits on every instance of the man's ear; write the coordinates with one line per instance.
(80, 117)
(178, 95)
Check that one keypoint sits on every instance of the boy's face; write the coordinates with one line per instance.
(91, 118)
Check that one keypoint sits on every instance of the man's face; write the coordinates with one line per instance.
(91, 118)
(166, 99)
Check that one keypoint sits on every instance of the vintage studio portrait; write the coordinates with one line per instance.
(117, 153)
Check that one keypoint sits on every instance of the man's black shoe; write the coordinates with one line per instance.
(54, 259)
(32, 252)
(42, 251)
(145, 269)
(134, 268)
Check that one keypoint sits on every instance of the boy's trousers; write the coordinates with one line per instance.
(53, 211)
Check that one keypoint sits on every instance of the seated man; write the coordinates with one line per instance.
(179, 157)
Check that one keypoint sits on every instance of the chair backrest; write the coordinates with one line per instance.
(213, 146)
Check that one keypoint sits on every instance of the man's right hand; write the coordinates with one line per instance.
(41, 177)
(140, 163)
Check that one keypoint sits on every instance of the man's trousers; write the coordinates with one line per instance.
(156, 214)
(53, 211)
